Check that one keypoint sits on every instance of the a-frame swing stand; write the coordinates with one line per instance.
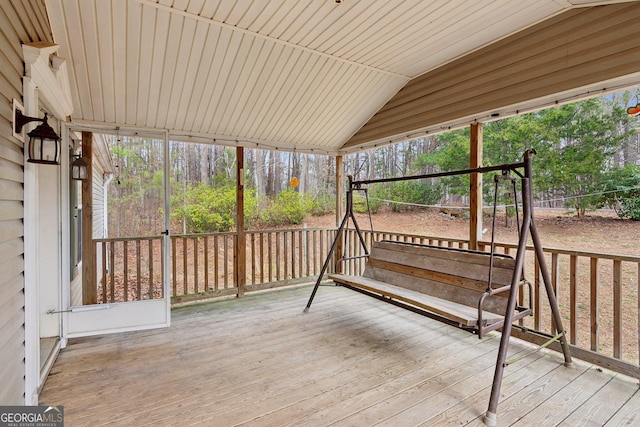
(347, 215)
(442, 283)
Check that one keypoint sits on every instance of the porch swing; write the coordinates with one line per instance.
(474, 290)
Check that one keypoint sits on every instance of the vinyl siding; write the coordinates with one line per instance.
(575, 49)
(98, 214)
(20, 22)
(98, 202)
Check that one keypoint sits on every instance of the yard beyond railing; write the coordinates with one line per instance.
(597, 292)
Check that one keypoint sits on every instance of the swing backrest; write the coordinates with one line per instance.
(456, 275)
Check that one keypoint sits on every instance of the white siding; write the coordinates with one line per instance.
(20, 22)
(98, 214)
(98, 202)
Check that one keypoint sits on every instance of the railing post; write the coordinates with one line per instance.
(240, 256)
(339, 250)
(595, 309)
(617, 309)
(573, 290)
(475, 187)
(89, 288)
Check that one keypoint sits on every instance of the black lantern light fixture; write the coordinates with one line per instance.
(79, 169)
(44, 142)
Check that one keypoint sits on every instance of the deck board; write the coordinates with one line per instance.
(603, 404)
(353, 360)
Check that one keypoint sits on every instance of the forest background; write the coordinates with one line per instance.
(588, 157)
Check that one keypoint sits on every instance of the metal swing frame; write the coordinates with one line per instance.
(526, 229)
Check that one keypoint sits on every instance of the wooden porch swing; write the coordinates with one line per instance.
(473, 290)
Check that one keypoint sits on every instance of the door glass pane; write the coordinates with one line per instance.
(127, 208)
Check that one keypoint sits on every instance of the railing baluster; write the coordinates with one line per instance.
(321, 246)
(285, 254)
(216, 268)
(293, 254)
(151, 281)
(253, 258)
(232, 240)
(270, 256)
(206, 263)
(595, 308)
(573, 292)
(126, 270)
(138, 270)
(234, 246)
(196, 246)
(261, 257)
(226, 261)
(112, 265)
(104, 271)
(315, 258)
(329, 236)
(174, 265)
(617, 308)
(185, 282)
(277, 236)
(301, 251)
(162, 261)
(307, 250)
(356, 243)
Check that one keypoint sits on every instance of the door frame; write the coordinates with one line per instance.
(98, 319)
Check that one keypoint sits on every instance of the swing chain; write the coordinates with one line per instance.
(504, 176)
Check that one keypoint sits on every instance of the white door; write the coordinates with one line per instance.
(132, 271)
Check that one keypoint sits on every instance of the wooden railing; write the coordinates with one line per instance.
(597, 292)
(202, 265)
(281, 256)
(598, 298)
(128, 269)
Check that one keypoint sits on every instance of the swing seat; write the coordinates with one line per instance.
(446, 283)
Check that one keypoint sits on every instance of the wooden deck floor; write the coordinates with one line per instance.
(351, 361)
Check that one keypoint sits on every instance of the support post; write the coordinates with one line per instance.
(89, 289)
(339, 189)
(240, 255)
(475, 187)
(339, 251)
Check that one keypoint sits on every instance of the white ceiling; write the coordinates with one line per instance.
(293, 74)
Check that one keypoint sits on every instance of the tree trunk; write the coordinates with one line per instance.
(259, 168)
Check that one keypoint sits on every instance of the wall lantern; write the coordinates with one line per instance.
(79, 169)
(44, 142)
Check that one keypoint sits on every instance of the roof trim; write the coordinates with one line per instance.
(200, 138)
